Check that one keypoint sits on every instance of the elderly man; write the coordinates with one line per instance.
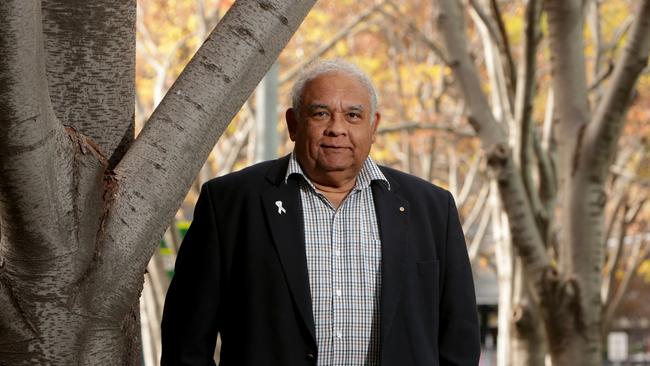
(322, 257)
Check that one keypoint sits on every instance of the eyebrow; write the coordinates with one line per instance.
(357, 107)
(312, 107)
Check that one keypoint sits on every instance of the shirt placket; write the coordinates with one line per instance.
(337, 287)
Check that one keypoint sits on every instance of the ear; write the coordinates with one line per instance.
(292, 123)
(375, 125)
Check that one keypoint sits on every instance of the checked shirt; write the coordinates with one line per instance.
(343, 250)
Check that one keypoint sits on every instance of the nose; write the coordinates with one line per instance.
(336, 125)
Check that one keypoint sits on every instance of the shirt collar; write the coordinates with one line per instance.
(369, 172)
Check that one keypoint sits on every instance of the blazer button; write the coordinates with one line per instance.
(310, 356)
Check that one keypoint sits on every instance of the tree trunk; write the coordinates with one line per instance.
(527, 332)
(567, 287)
(80, 217)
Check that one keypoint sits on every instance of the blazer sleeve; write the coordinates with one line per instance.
(190, 319)
(459, 327)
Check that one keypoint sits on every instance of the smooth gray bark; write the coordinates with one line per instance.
(77, 235)
(90, 63)
(567, 295)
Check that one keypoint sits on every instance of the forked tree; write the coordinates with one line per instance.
(554, 200)
(82, 202)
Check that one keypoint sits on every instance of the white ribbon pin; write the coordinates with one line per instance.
(281, 209)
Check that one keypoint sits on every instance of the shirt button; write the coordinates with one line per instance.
(338, 293)
(337, 253)
(339, 335)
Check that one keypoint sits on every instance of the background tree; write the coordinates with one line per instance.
(82, 203)
(563, 272)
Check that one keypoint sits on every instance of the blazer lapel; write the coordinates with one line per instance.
(283, 211)
(392, 216)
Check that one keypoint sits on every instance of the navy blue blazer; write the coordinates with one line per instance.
(242, 272)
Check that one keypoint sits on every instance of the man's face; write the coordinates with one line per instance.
(334, 128)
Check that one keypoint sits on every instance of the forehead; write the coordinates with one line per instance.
(335, 87)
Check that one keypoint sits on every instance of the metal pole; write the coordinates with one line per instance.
(266, 102)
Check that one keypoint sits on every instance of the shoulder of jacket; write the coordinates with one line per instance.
(409, 182)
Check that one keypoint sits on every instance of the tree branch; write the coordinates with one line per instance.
(426, 126)
(505, 43)
(470, 177)
(602, 135)
(594, 21)
(30, 141)
(411, 27)
(450, 24)
(524, 132)
(613, 262)
(565, 24)
(501, 96)
(180, 134)
(526, 237)
(479, 236)
(289, 75)
(479, 204)
(547, 189)
(497, 33)
(635, 258)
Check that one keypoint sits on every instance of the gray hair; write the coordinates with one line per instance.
(319, 68)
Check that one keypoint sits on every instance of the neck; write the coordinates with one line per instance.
(333, 182)
(344, 188)
(336, 195)
(335, 186)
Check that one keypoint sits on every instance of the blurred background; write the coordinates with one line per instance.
(425, 131)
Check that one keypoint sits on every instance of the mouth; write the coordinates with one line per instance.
(336, 147)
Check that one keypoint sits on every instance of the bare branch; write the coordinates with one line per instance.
(594, 21)
(524, 132)
(240, 139)
(470, 177)
(620, 202)
(497, 33)
(602, 134)
(613, 262)
(415, 30)
(344, 32)
(548, 141)
(203, 27)
(478, 206)
(426, 126)
(526, 89)
(619, 33)
(505, 42)
(565, 24)
(547, 189)
(635, 258)
(452, 29)
(479, 236)
(501, 95)
(600, 78)
(525, 237)
(452, 170)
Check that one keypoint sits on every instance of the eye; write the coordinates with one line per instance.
(354, 116)
(319, 114)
